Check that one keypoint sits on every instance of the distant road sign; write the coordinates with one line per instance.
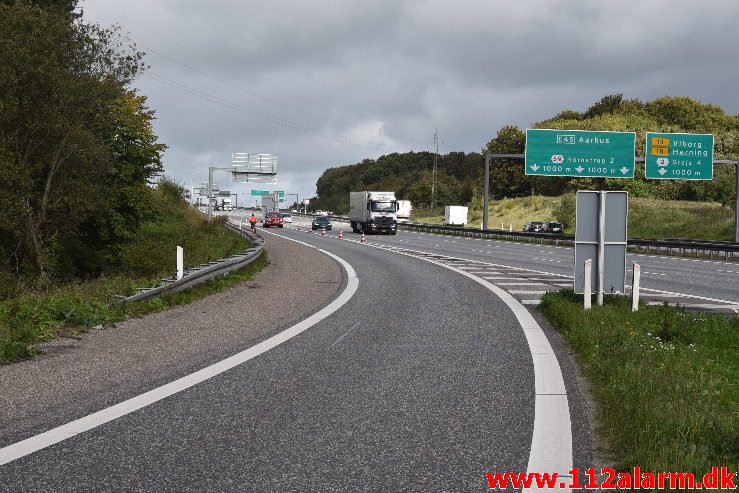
(580, 153)
(678, 156)
(261, 193)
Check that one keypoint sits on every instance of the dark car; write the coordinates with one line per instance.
(552, 227)
(320, 222)
(533, 226)
(272, 219)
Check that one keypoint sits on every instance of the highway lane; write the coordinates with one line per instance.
(423, 381)
(714, 280)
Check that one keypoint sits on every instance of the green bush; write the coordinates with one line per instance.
(28, 316)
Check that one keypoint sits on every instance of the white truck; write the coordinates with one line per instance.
(226, 205)
(373, 212)
(269, 204)
(455, 215)
(404, 211)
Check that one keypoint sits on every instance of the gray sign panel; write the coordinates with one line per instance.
(587, 234)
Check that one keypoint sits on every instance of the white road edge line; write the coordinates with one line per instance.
(55, 435)
(551, 443)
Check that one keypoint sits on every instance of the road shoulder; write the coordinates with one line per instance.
(79, 376)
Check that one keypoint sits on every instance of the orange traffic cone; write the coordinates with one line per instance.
(341, 235)
(363, 240)
(323, 231)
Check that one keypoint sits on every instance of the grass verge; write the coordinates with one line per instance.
(677, 219)
(666, 381)
(71, 310)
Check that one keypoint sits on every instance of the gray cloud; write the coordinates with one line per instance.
(331, 82)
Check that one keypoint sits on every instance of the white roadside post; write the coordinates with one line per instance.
(636, 278)
(510, 228)
(180, 262)
(586, 289)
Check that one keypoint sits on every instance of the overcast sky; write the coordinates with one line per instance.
(323, 83)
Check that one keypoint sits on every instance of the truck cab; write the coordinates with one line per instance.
(373, 212)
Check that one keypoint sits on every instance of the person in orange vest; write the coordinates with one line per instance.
(253, 222)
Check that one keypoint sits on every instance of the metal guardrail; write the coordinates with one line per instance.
(203, 272)
(709, 248)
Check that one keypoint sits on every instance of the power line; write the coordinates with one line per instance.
(266, 117)
(403, 140)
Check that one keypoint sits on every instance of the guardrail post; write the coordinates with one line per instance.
(635, 279)
(180, 262)
(586, 288)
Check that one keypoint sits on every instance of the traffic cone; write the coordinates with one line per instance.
(363, 240)
(323, 231)
(341, 235)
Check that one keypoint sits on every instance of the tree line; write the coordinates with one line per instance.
(460, 175)
(77, 147)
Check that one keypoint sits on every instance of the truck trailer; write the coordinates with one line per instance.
(404, 211)
(455, 215)
(373, 212)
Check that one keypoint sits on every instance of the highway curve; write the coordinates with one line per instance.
(422, 381)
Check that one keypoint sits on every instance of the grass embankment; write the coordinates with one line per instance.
(31, 317)
(666, 381)
(648, 218)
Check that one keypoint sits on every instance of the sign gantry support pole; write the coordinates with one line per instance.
(601, 246)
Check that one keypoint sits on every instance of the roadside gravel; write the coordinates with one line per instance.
(78, 376)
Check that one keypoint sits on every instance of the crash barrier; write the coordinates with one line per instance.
(203, 272)
(670, 246)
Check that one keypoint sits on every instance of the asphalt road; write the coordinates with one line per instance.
(709, 284)
(422, 381)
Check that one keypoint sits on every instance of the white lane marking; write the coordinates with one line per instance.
(520, 283)
(345, 334)
(565, 276)
(86, 423)
(551, 442)
(524, 291)
(531, 302)
(481, 264)
(546, 260)
(503, 278)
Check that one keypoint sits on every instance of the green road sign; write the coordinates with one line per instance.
(679, 156)
(259, 193)
(580, 153)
